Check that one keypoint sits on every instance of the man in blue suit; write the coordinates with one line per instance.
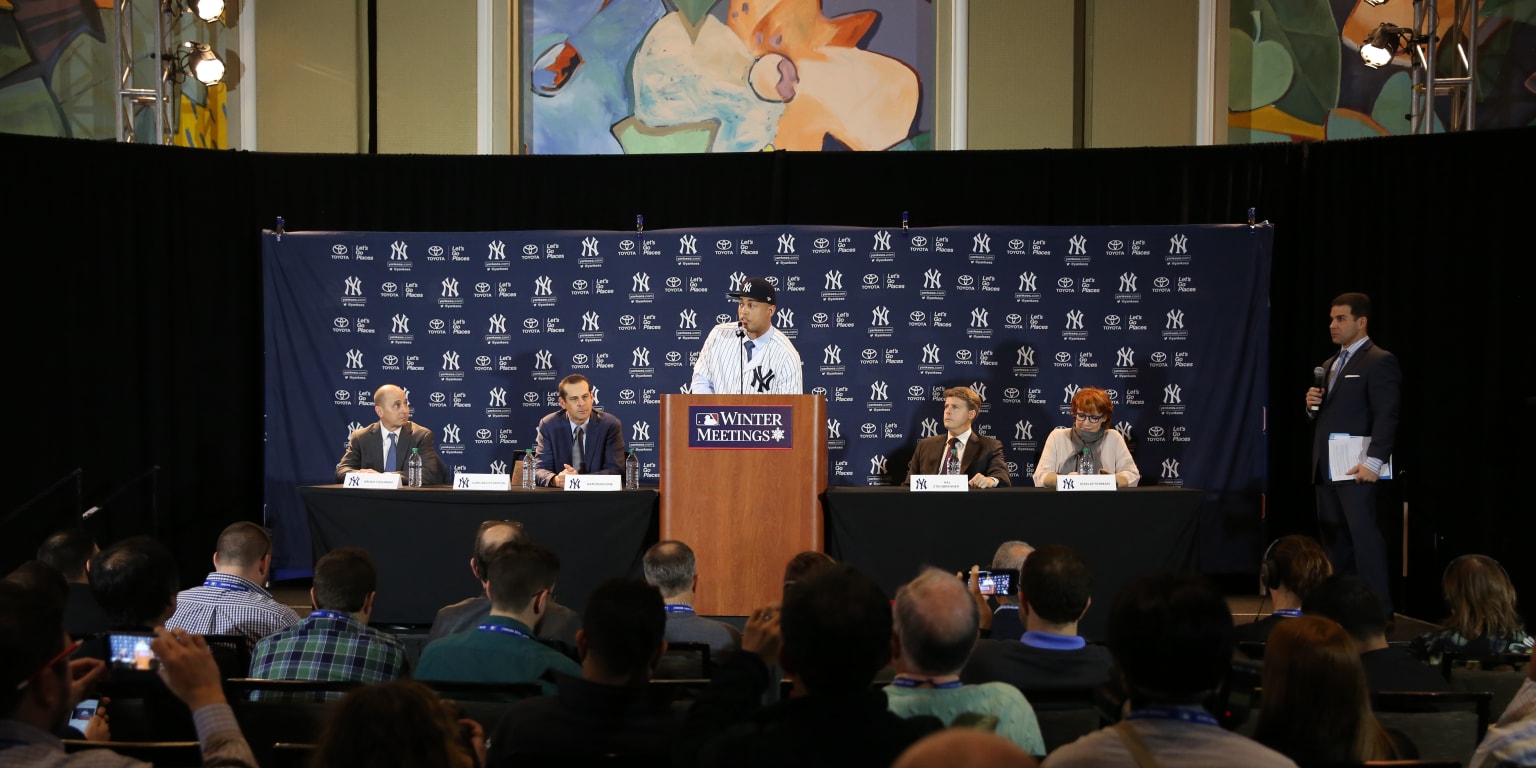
(1360, 396)
(578, 440)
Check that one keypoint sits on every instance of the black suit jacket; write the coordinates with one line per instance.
(1364, 401)
(983, 456)
(365, 450)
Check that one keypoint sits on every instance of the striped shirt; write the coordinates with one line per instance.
(329, 645)
(723, 367)
(227, 604)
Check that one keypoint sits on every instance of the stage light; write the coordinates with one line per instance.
(202, 63)
(1384, 42)
(207, 10)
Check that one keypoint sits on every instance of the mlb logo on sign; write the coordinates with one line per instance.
(707, 419)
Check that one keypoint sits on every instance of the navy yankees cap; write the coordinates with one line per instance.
(757, 289)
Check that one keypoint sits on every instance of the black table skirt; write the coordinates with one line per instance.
(891, 533)
(422, 538)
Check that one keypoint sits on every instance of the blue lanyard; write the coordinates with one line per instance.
(1197, 716)
(1007, 608)
(1287, 612)
(680, 609)
(327, 614)
(218, 583)
(504, 629)
(909, 682)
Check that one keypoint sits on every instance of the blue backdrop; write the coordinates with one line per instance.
(480, 326)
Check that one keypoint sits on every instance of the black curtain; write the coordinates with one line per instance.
(136, 329)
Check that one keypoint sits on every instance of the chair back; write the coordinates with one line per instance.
(1501, 684)
(286, 755)
(282, 711)
(484, 703)
(685, 661)
(1066, 714)
(171, 754)
(1444, 725)
(232, 653)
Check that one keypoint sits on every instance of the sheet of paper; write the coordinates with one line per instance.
(1345, 452)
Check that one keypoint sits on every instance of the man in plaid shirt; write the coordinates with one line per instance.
(231, 600)
(334, 642)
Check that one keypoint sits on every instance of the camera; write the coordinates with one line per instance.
(1001, 581)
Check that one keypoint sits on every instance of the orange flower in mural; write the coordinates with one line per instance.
(829, 85)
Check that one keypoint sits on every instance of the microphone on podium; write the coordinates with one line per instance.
(1319, 375)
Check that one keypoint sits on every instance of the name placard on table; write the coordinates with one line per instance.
(942, 483)
(482, 481)
(594, 483)
(1085, 482)
(380, 480)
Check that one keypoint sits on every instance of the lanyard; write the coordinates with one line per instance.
(680, 609)
(220, 583)
(327, 614)
(504, 629)
(914, 682)
(1287, 612)
(1197, 716)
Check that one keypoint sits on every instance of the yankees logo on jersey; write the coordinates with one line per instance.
(760, 382)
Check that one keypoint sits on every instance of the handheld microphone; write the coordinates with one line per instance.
(1319, 375)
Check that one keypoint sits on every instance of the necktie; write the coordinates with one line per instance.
(581, 451)
(1337, 369)
(389, 454)
(750, 345)
(952, 458)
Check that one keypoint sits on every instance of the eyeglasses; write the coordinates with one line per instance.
(69, 650)
(1089, 418)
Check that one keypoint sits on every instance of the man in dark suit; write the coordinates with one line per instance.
(960, 451)
(1360, 397)
(578, 440)
(386, 445)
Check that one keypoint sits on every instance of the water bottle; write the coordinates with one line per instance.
(1085, 463)
(413, 469)
(528, 476)
(631, 471)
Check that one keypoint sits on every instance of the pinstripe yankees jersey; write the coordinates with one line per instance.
(723, 368)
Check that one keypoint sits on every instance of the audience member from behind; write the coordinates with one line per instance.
(70, 552)
(936, 626)
(670, 567)
(134, 581)
(964, 746)
(1293, 566)
(401, 724)
(1007, 624)
(1512, 741)
(1317, 706)
(1054, 589)
(833, 636)
(39, 687)
(611, 709)
(559, 623)
(1349, 601)
(502, 649)
(334, 642)
(1171, 636)
(1483, 619)
(40, 576)
(231, 600)
(800, 566)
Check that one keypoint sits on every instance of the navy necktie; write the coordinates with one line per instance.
(750, 345)
(1337, 369)
(389, 454)
(581, 451)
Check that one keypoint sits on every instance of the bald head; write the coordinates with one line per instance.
(964, 746)
(491, 535)
(936, 621)
(390, 403)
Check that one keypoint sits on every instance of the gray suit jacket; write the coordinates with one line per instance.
(365, 450)
(560, 623)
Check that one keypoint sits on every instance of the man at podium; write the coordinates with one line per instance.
(960, 451)
(385, 445)
(750, 356)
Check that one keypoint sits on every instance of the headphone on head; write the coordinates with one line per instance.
(1271, 571)
(1447, 572)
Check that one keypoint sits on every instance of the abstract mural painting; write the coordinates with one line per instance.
(645, 76)
(1296, 73)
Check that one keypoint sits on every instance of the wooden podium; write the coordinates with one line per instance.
(744, 511)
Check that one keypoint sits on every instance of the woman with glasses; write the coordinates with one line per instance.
(1089, 444)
